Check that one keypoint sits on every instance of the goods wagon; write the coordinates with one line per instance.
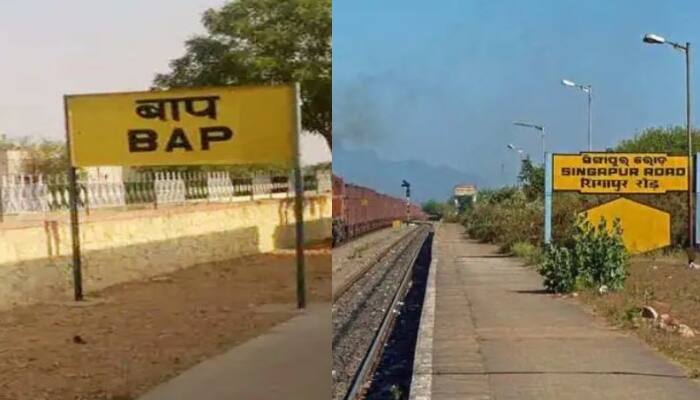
(358, 210)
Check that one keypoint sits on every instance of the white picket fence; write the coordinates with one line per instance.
(23, 194)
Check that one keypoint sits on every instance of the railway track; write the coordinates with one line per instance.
(357, 274)
(364, 312)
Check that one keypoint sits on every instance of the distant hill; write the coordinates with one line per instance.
(363, 167)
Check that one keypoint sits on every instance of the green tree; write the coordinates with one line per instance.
(531, 178)
(14, 144)
(433, 207)
(264, 42)
(6, 144)
(46, 156)
(462, 203)
(671, 139)
(50, 157)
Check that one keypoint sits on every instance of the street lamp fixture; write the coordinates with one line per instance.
(653, 39)
(542, 133)
(584, 88)
(520, 151)
(588, 89)
(656, 39)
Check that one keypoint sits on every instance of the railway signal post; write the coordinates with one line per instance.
(407, 187)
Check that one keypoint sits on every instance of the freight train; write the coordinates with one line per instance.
(358, 210)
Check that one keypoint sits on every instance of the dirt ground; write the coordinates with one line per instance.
(131, 337)
(664, 283)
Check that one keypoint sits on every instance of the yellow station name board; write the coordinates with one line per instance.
(620, 173)
(227, 125)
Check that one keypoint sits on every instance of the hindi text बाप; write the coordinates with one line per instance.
(146, 140)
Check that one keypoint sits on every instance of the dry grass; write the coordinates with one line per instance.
(665, 283)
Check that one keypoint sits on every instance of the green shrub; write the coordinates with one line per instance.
(527, 251)
(505, 217)
(601, 255)
(593, 257)
(558, 269)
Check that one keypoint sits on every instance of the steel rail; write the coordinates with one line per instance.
(370, 359)
(342, 288)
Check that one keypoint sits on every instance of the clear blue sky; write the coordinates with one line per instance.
(443, 81)
(49, 48)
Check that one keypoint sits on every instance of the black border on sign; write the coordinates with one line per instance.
(68, 97)
(613, 193)
(670, 231)
(182, 89)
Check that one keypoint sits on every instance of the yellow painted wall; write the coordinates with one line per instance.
(644, 228)
(35, 261)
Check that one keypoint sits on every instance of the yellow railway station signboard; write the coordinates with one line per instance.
(226, 125)
(619, 173)
(644, 228)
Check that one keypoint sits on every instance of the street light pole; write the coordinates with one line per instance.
(543, 134)
(590, 120)
(588, 89)
(544, 146)
(523, 156)
(689, 134)
(655, 39)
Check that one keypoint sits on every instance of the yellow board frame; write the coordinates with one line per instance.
(203, 126)
(619, 173)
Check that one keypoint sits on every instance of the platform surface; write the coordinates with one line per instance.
(292, 361)
(497, 335)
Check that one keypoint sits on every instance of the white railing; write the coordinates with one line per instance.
(23, 194)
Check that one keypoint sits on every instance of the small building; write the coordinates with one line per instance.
(465, 190)
(464, 195)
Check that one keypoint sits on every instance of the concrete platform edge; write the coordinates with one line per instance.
(421, 382)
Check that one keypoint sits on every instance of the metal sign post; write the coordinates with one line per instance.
(74, 222)
(75, 234)
(2, 210)
(697, 204)
(547, 198)
(689, 134)
(299, 202)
